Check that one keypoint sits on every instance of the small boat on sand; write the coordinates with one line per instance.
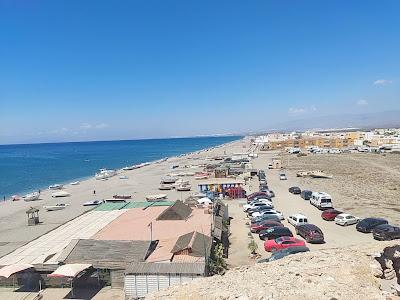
(165, 187)
(58, 206)
(93, 203)
(75, 183)
(183, 187)
(319, 174)
(123, 177)
(60, 194)
(56, 187)
(15, 198)
(122, 196)
(104, 174)
(156, 197)
(168, 179)
(31, 197)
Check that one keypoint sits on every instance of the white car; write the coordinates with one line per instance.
(252, 205)
(268, 212)
(346, 219)
(297, 219)
(282, 176)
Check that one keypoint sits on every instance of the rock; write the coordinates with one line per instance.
(376, 269)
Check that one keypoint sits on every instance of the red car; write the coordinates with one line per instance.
(283, 243)
(330, 214)
(255, 195)
(264, 224)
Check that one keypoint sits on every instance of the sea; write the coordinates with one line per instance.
(29, 167)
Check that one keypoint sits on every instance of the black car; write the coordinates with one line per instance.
(368, 224)
(306, 194)
(386, 232)
(274, 233)
(284, 252)
(265, 217)
(310, 232)
(295, 190)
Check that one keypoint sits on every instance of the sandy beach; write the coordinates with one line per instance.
(14, 231)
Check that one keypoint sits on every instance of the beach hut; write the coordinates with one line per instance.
(33, 216)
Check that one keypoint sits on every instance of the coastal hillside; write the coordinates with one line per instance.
(351, 273)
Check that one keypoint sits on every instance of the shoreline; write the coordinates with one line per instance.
(8, 197)
(141, 182)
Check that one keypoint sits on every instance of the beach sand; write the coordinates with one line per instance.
(14, 231)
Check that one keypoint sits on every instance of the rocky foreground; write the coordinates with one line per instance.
(353, 273)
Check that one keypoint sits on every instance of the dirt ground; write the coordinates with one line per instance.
(349, 192)
(364, 184)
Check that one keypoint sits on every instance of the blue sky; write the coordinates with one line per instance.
(89, 70)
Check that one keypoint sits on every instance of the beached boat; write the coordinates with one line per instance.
(184, 188)
(104, 174)
(165, 187)
(60, 194)
(200, 177)
(58, 206)
(31, 197)
(56, 187)
(75, 183)
(128, 168)
(156, 197)
(93, 203)
(15, 198)
(319, 174)
(123, 177)
(302, 174)
(122, 196)
(168, 179)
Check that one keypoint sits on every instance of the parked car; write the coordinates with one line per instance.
(310, 232)
(386, 232)
(346, 219)
(368, 224)
(271, 193)
(306, 194)
(252, 212)
(255, 204)
(264, 218)
(274, 233)
(330, 214)
(282, 176)
(265, 224)
(270, 166)
(268, 212)
(321, 200)
(256, 195)
(284, 252)
(267, 206)
(282, 243)
(295, 190)
(297, 219)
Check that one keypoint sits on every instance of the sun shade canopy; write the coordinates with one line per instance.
(9, 270)
(69, 270)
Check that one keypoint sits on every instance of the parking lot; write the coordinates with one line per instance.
(335, 236)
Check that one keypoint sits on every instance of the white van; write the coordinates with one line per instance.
(297, 219)
(321, 200)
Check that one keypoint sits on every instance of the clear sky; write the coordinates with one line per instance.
(87, 70)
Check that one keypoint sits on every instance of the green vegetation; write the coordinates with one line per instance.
(217, 263)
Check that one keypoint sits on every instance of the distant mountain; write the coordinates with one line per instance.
(385, 119)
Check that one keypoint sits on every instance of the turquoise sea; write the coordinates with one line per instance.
(28, 167)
